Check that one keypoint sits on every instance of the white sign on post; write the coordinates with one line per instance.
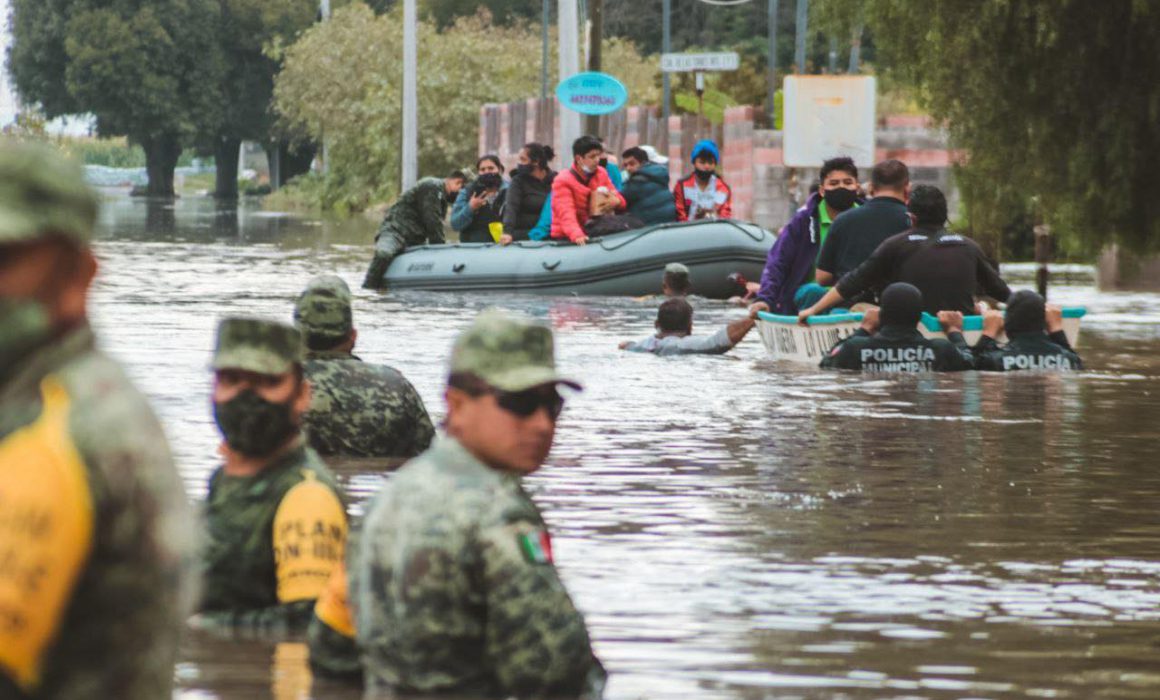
(828, 116)
(690, 62)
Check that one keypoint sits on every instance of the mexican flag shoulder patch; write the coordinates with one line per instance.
(536, 546)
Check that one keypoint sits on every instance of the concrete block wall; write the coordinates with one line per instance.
(765, 191)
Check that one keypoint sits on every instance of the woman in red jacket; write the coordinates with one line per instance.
(571, 190)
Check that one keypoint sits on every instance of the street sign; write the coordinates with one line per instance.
(592, 93)
(828, 116)
(692, 62)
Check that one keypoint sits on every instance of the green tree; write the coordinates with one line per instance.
(1056, 103)
(341, 81)
(249, 32)
(141, 68)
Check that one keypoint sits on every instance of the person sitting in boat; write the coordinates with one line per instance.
(889, 339)
(481, 203)
(1035, 337)
(573, 190)
(608, 162)
(857, 233)
(786, 283)
(674, 334)
(416, 218)
(948, 268)
(646, 190)
(529, 190)
(703, 194)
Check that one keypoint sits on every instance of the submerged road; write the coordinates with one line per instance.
(731, 528)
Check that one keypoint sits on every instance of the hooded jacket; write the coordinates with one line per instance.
(647, 193)
(686, 190)
(791, 258)
(571, 191)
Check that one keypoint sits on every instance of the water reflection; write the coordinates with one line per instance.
(732, 528)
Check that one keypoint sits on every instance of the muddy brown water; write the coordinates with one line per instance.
(732, 528)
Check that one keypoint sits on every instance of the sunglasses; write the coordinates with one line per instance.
(526, 403)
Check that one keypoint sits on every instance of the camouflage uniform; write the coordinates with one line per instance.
(358, 409)
(274, 537)
(453, 583)
(416, 218)
(95, 545)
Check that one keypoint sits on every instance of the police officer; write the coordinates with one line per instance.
(415, 219)
(277, 525)
(454, 584)
(1035, 337)
(948, 268)
(95, 544)
(358, 409)
(898, 346)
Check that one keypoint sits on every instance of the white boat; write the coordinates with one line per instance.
(785, 339)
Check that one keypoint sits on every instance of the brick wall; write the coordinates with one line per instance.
(765, 191)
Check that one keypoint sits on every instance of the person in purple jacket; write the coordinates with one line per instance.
(790, 264)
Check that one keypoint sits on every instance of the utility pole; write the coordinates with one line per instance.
(667, 47)
(547, 17)
(410, 151)
(771, 64)
(595, 41)
(833, 55)
(801, 28)
(855, 52)
(569, 65)
(324, 11)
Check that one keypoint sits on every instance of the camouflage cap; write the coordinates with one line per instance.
(676, 269)
(42, 192)
(257, 345)
(323, 308)
(509, 352)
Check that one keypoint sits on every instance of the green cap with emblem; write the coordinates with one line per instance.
(508, 351)
(257, 345)
(323, 309)
(42, 193)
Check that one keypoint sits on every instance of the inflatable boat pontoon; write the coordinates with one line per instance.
(621, 264)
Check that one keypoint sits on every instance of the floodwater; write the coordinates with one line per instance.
(731, 528)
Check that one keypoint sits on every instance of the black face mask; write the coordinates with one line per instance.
(525, 169)
(703, 175)
(253, 426)
(840, 199)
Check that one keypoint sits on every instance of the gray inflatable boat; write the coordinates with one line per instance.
(621, 264)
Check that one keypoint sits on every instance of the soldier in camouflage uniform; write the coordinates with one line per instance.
(275, 514)
(416, 218)
(453, 584)
(358, 409)
(95, 548)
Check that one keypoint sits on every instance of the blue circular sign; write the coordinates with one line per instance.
(592, 93)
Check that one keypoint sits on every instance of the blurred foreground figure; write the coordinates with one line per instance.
(95, 530)
(454, 587)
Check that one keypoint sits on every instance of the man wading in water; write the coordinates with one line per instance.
(898, 346)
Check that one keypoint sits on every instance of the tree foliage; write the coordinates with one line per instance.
(342, 82)
(1056, 102)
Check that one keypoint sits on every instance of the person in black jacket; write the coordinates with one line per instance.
(530, 187)
(857, 232)
(898, 346)
(481, 203)
(948, 268)
(647, 188)
(1035, 337)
